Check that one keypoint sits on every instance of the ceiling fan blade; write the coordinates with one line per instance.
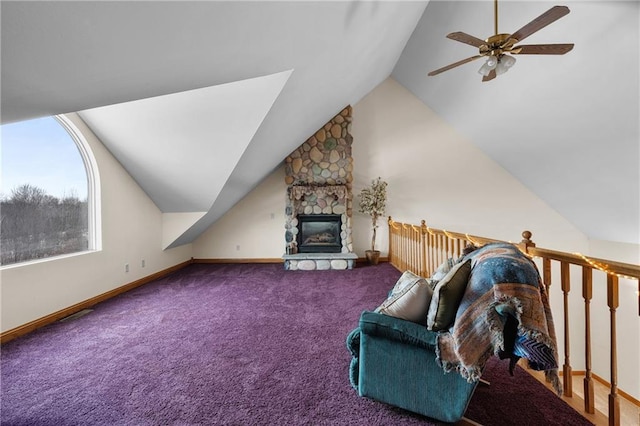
(466, 38)
(550, 16)
(492, 74)
(542, 49)
(455, 64)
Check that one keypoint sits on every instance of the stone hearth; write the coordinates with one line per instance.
(319, 261)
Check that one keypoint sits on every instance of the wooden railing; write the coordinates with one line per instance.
(422, 249)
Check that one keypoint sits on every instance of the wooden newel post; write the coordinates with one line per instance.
(526, 241)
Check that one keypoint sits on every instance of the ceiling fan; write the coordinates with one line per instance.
(499, 47)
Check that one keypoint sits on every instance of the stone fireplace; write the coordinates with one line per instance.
(319, 199)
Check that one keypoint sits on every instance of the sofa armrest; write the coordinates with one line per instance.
(396, 329)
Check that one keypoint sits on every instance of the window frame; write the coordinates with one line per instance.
(94, 215)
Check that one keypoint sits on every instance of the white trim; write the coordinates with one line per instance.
(45, 259)
(93, 183)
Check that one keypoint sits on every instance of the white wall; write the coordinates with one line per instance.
(433, 174)
(436, 175)
(622, 252)
(131, 231)
(253, 228)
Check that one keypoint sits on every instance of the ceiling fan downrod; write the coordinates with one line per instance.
(495, 16)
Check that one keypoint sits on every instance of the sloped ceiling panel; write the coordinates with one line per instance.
(181, 148)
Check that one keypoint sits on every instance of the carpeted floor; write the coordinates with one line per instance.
(230, 345)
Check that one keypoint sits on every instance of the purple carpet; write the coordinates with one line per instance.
(230, 345)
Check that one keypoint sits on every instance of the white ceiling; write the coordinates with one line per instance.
(195, 70)
(566, 126)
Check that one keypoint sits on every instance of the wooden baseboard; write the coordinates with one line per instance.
(364, 260)
(573, 373)
(595, 377)
(622, 393)
(239, 260)
(602, 381)
(51, 318)
(575, 401)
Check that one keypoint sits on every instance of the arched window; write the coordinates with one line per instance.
(49, 191)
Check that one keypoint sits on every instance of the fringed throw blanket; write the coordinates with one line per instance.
(504, 311)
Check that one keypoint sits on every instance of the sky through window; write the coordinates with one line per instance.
(40, 152)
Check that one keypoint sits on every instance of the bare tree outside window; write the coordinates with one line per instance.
(36, 225)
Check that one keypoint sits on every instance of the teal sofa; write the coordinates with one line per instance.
(490, 302)
(394, 361)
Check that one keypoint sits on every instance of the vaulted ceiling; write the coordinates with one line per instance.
(201, 100)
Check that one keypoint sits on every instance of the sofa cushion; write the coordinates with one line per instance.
(443, 269)
(447, 296)
(397, 330)
(409, 299)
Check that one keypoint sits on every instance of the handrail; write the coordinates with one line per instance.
(623, 270)
(422, 249)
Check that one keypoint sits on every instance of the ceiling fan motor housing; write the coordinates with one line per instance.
(497, 45)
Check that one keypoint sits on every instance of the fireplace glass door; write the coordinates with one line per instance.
(319, 233)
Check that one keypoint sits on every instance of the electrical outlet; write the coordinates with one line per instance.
(273, 216)
(126, 267)
(143, 263)
(238, 247)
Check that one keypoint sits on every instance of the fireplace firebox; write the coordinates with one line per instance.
(319, 233)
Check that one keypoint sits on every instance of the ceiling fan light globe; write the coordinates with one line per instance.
(492, 61)
(501, 68)
(485, 69)
(508, 61)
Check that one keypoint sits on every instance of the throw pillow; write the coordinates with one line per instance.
(409, 299)
(443, 269)
(447, 296)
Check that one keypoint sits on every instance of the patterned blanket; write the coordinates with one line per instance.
(505, 312)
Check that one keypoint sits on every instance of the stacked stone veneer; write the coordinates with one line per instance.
(319, 178)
